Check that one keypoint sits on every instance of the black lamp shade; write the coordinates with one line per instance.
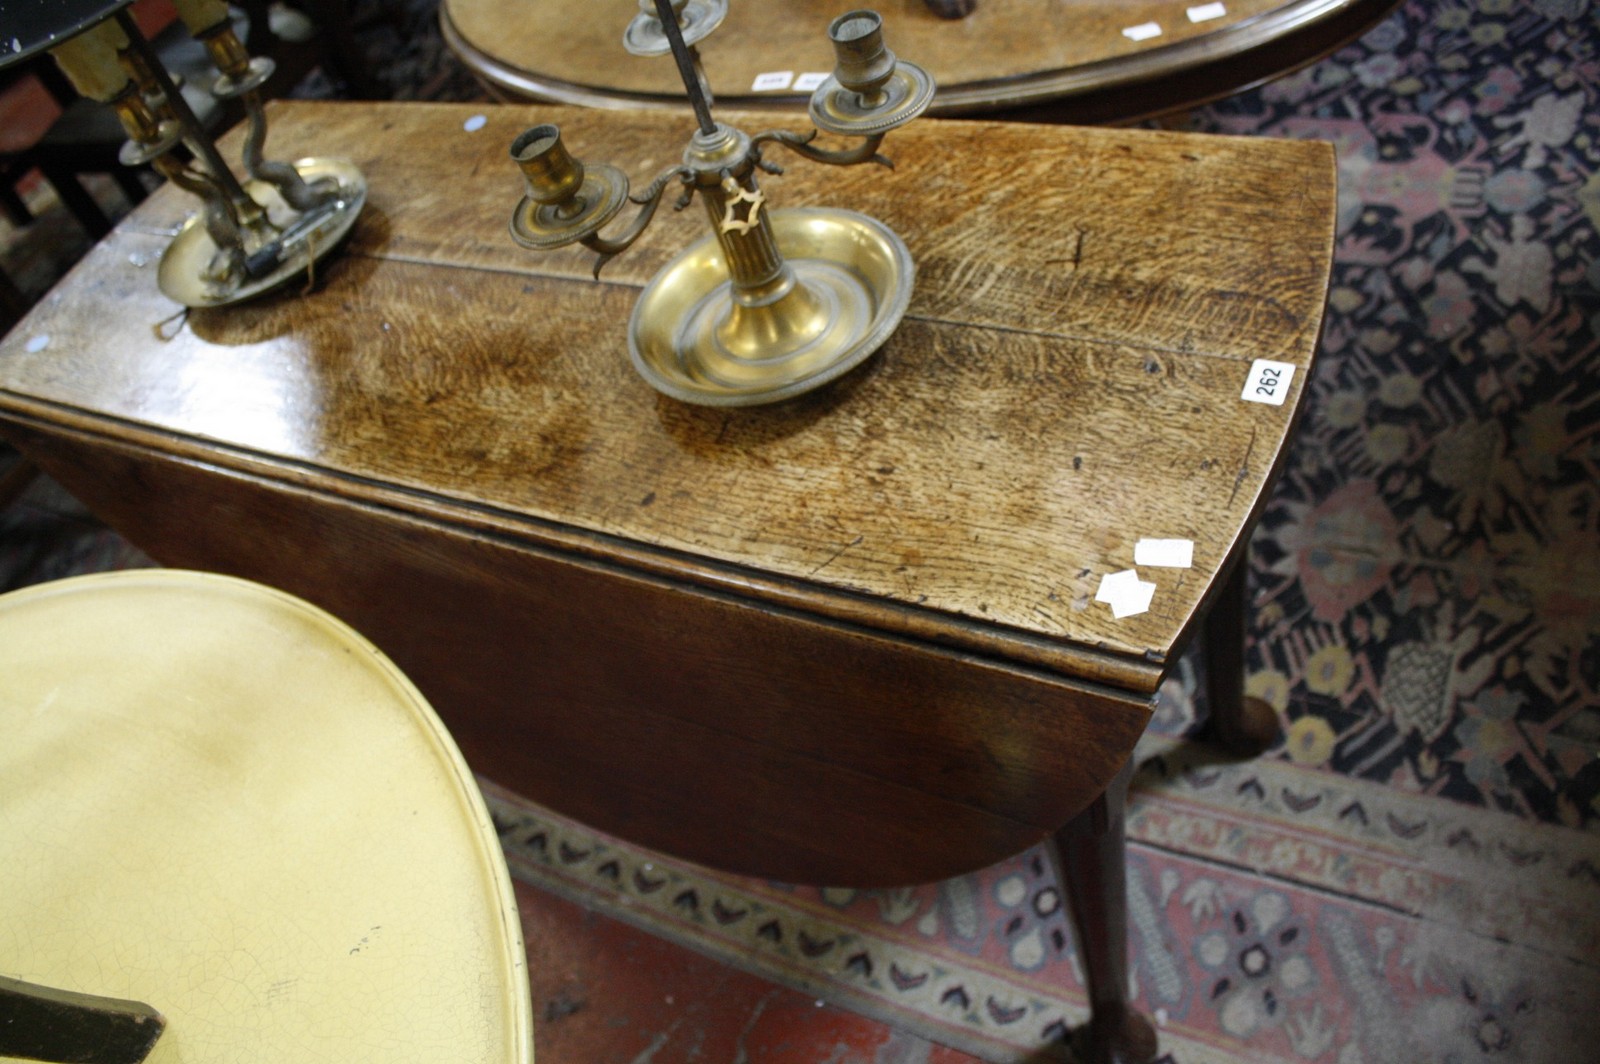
(30, 26)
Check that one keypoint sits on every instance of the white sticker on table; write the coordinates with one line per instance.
(809, 81)
(1125, 593)
(772, 81)
(1207, 12)
(1268, 382)
(1142, 32)
(1164, 553)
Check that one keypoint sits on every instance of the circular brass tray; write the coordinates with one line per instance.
(182, 273)
(859, 275)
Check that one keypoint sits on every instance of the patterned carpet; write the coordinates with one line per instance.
(1414, 875)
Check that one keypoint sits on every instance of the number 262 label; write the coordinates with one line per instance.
(1268, 382)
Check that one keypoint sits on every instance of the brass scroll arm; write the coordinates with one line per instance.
(609, 248)
(800, 144)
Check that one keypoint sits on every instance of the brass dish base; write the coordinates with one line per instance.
(182, 275)
(691, 340)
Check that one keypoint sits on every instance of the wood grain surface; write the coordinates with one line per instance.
(851, 638)
(1067, 380)
(1004, 54)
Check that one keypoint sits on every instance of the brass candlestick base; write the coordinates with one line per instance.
(694, 337)
(251, 235)
(288, 245)
(773, 303)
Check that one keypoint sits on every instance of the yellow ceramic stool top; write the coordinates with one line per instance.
(219, 800)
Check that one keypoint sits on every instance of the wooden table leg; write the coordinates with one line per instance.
(13, 304)
(1091, 866)
(1246, 726)
(15, 479)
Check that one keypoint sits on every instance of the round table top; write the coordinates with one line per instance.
(1103, 60)
(221, 801)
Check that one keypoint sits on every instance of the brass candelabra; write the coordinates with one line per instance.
(774, 303)
(250, 236)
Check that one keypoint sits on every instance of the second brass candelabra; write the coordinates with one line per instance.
(250, 236)
(774, 303)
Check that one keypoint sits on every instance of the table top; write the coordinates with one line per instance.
(1104, 60)
(1088, 307)
(218, 800)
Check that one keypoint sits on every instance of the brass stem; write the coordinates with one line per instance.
(200, 140)
(686, 66)
(754, 261)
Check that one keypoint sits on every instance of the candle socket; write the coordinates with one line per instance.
(227, 52)
(552, 175)
(862, 63)
(774, 303)
(646, 35)
(201, 15)
(139, 120)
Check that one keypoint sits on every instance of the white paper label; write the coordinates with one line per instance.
(1164, 553)
(1268, 382)
(772, 81)
(1125, 593)
(808, 82)
(1142, 32)
(1207, 12)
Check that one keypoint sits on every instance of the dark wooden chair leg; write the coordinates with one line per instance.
(1090, 863)
(127, 179)
(16, 479)
(13, 304)
(78, 202)
(13, 206)
(1246, 726)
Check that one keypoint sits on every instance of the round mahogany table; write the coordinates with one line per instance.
(1081, 61)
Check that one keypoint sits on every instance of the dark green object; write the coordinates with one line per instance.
(43, 1023)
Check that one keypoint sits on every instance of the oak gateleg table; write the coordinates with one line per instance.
(851, 639)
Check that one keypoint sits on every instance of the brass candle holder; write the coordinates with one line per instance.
(774, 303)
(251, 236)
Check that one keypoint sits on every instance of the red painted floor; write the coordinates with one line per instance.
(604, 993)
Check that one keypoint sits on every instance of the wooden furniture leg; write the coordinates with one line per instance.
(1246, 726)
(1090, 864)
(13, 304)
(77, 200)
(11, 204)
(14, 478)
